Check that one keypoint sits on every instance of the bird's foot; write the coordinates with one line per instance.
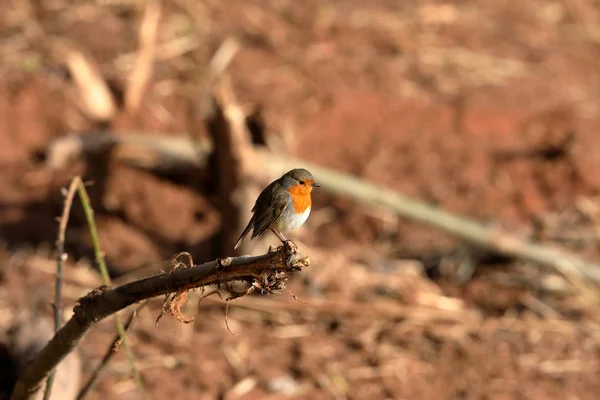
(290, 246)
(291, 251)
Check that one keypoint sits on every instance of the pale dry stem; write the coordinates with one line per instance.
(142, 72)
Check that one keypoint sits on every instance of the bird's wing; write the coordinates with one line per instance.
(244, 233)
(278, 200)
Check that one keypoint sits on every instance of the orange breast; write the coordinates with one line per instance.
(300, 197)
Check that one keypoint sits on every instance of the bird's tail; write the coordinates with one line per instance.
(244, 233)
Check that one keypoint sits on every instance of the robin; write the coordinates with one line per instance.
(282, 206)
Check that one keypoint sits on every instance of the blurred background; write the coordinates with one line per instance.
(488, 109)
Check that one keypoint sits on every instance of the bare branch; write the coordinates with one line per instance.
(271, 269)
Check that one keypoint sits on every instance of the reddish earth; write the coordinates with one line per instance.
(488, 109)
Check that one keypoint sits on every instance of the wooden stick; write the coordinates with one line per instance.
(270, 269)
(141, 74)
(490, 238)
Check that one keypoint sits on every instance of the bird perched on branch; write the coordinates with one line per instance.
(282, 206)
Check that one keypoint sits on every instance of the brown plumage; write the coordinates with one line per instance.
(282, 206)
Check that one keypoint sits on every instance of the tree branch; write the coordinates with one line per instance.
(269, 271)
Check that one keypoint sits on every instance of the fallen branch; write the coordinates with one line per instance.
(491, 238)
(141, 149)
(270, 271)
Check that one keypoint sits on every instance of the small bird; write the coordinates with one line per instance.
(282, 206)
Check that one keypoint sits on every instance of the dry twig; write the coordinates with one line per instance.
(97, 100)
(60, 258)
(174, 301)
(272, 267)
(142, 72)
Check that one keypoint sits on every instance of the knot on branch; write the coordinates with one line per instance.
(86, 306)
(224, 262)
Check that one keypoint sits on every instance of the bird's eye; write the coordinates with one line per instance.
(301, 182)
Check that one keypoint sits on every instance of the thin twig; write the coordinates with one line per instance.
(95, 97)
(141, 74)
(227, 318)
(89, 214)
(112, 350)
(272, 267)
(60, 258)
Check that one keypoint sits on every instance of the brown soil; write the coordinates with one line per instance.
(488, 109)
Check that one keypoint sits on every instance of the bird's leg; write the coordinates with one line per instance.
(291, 246)
(279, 235)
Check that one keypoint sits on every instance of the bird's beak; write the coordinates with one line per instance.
(315, 184)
